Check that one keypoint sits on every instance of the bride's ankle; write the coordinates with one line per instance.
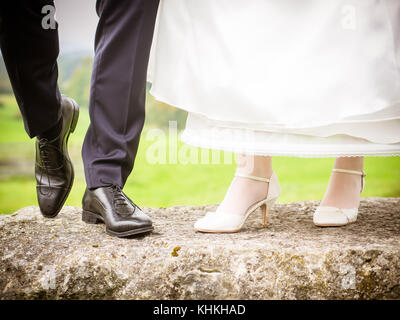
(258, 166)
(343, 190)
(349, 163)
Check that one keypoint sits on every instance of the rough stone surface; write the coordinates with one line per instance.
(64, 258)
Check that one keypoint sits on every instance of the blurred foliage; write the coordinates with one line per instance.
(75, 74)
(77, 84)
(158, 114)
(5, 86)
(75, 71)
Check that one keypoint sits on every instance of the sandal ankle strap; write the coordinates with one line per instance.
(253, 177)
(359, 173)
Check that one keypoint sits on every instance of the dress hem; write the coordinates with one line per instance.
(297, 154)
(163, 99)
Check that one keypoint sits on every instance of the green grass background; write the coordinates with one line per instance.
(169, 184)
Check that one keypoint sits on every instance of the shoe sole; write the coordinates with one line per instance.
(217, 231)
(334, 225)
(93, 218)
(73, 124)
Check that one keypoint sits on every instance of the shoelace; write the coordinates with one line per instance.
(119, 198)
(44, 157)
(43, 151)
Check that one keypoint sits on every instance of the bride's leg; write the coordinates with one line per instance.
(244, 192)
(344, 189)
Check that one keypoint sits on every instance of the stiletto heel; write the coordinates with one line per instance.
(75, 116)
(337, 217)
(227, 223)
(264, 212)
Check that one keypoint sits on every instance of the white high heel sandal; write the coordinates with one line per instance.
(337, 217)
(222, 222)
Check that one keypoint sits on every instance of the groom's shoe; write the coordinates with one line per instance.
(53, 170)
(113, 207)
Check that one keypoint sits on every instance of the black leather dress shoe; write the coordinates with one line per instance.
(113, 207)
(53, 170)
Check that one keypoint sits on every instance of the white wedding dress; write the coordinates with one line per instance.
(306, 78)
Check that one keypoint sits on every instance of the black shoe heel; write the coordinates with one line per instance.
(75, 117)
(90, 217)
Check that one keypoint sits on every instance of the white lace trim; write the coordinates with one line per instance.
(293, 150)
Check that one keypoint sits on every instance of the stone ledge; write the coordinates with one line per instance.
(64, 258)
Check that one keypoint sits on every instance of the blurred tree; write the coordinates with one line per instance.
(78, 84)
(158, 114)
(5, 85)
(74, 80)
